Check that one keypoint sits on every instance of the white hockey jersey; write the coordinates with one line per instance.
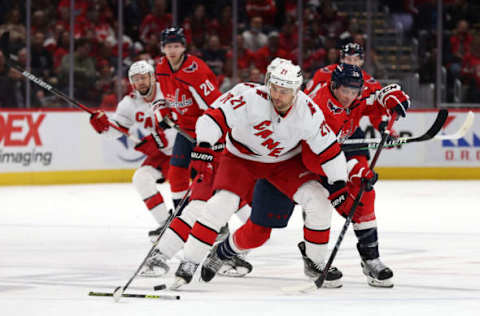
(133, 111)
(256, 131)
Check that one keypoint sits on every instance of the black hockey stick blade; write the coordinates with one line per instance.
(4, 44)
(359, 144)
(150, 296)
(434, 129)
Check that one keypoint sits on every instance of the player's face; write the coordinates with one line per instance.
(141, 83)
(282, 98)
(352, 60)
(173, 52)
(346, 95)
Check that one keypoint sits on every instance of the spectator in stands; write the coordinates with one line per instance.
(16, 28)
(460, 43)
(313, 57)
(332, 57)
(214, 54)
(41, 58)
(83, 70)
(61, 48)
(289, 35)
(245, 57)
(256, 76)
(266, 54)
(105, 81)
(224, 26)
(155, 22)
(254, 38)
(40, 22)
(331, 23)
(263, 8)
(5, 97)
(197, 27)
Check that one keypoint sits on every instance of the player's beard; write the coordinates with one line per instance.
(280, 106)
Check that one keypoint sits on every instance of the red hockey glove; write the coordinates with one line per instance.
(99, 121)
(202, 158)
(148, 145)
(160, 111)
(360, 172)
(394, 99)
(338, 194)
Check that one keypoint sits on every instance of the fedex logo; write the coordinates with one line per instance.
(20, 129)
(269, 142)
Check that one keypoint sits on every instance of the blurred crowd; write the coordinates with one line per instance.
(267, 29)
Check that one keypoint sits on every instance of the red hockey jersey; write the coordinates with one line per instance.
(325, 74)
(343, 121)
(189, 91)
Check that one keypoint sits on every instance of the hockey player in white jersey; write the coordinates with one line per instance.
(136, 109)
(270, 131)
(177, 233)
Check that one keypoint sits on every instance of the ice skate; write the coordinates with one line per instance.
(232, 267)
(314, 270)
(211, 265)
(184, 274)
(155, 266)
(236, 267)
(377, 273)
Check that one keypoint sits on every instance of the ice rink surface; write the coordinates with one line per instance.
(57, 243)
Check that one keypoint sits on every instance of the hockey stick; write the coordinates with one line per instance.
(4, 48)
(461, 131)
(431, 133)
(172, 124)
(319, 281)
(119, 291)
(163, 297)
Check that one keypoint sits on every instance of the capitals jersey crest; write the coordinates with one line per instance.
(334, 108)
(192, 68)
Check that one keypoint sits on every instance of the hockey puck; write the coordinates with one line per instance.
(159, 287)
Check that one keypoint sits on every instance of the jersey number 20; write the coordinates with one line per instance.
(207, 87)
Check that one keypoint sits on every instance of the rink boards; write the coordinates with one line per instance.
(59, 146)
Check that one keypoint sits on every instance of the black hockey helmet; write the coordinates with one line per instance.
(173, 34)
(347, 75)
(351, 49)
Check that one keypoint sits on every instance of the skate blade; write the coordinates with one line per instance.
(388, 283)
(231, 272)
(309, 288)
(178, 283)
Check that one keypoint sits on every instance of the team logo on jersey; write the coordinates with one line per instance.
(335, 109)
(192, 68)
(178, 102)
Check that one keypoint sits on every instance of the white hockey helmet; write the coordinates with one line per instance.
(140, 67)
(277, 61)
(286, 75)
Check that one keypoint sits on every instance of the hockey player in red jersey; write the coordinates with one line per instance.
(136, 109)
(353, 54)
(189, 87)
(343, 105)
(270, 131)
